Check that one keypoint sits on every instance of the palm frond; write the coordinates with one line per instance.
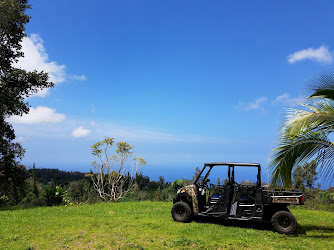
(323, 85)
(319, 115)
(296, 150)
(304, 134)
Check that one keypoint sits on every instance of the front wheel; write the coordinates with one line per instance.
(181, 212)
(284, 222)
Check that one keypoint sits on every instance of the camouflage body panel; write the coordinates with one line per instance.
(290, 200)
(191, 191)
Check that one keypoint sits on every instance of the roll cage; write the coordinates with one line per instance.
(231, 165)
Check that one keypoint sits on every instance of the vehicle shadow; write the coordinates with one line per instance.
(234, 223)
(302, 230)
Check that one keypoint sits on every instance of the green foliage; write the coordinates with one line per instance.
(177, 184)
(4, 200)
(157, 195)
(142, 181)
(15, 86)
(165, 194)
(12, 183)
(305, 176)
(327, 197)
(115, 173)
(54, 195)
(305, 135)
(196, 174)
(45, 175)
(78, 190)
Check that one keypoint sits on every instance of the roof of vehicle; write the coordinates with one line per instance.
(242, 164)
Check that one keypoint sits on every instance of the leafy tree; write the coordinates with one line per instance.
(15, 86)
(34, 181)
(54, 195)
(305, 176)
(196, 174)
(45, 175)
(113, 171)
(326, 197)
(162, 182)
(142, 181)
(12, 183)
(299, 178)
(177, 184)
(305, 134)
(157, 196)
(77, 189)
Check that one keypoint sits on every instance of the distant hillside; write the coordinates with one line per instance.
(46, 175)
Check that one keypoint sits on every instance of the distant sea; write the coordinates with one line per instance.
(169, 172)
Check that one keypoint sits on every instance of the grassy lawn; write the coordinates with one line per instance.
(149, 225)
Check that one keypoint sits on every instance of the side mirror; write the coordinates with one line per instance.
(207, 180)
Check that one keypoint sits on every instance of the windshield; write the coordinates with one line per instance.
(215, 175)
(202, 176)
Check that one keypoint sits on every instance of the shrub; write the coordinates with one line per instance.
(54, 195)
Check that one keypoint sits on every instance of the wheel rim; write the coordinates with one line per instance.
(180, 211)
(284, 222)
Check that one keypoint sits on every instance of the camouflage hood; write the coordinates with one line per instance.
(191, 189)
(192, 192)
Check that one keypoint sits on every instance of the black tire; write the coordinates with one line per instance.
(181, 212)
(284, 222)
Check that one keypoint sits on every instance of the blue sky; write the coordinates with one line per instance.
(184, 82)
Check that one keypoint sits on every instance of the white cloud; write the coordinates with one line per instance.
(38, 115)
(286, 100)
(252, 105)
(81, 132)
(78, 77)
(36, 58)
(322, 55)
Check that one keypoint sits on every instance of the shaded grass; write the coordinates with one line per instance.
(149, 225)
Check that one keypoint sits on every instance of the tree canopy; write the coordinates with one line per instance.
(115, 173)
(15, 86)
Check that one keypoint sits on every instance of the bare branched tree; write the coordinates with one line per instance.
(115, 173)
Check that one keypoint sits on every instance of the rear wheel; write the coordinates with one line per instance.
(181, 212)
(284, 222)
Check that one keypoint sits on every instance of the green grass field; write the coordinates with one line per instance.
(149, 225)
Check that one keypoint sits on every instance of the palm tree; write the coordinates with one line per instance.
(305, 134)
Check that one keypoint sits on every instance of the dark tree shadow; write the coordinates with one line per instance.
(320, 229)
(16, 207)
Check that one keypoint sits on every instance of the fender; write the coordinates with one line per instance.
(188, 193)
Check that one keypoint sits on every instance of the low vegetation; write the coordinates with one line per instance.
(146, 224)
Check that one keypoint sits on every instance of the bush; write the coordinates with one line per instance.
(3, 200)
(177, 184)
(54, 195)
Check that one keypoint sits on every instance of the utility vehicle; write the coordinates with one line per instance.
(230, 200)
